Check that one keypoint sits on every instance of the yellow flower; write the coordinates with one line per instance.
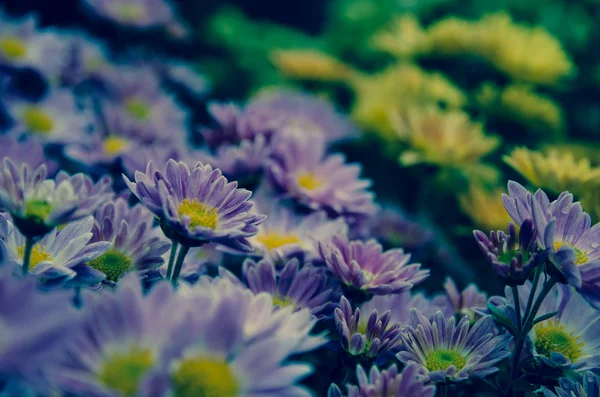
(452, 36)
(556, 171)
(310, 64)
(484, 207)
(447, 138)
(520, 103)
(403, 38)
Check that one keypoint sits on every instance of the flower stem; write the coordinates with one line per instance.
(443, 390)
(174, 246)
(515, 292)
(528, 324)
(179, 264)
(27, 254)
(534, 284)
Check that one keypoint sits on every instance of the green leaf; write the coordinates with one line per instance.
(502, 318)
(544, 317)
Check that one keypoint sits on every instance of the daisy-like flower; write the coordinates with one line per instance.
(58, 256)
(37, 204)
(570, 388)
(484, 207)
(115, 349)
(512, 258)
(365, 266)
(460, 303)
(301, 169)
(137, 160)
(217, 348)
(386, 383)
(285, 234)
(34, 327)
(373, 337)
(399, 306)
(26, 150)
(135, 246)
(243, 160)
(294, 286)
(87, 60)
(54, 119)
(450, 352)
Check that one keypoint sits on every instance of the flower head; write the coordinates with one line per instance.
(460, 303)
(484, 207)
(26, 150)
(365, 266)
(570, 388)
(387, 383)
(399, 306)
(197, 206)
(141, 14)
(447, 351)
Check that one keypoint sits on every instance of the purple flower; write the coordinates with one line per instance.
(512, 258)
(296, 287)
(370, 337)
(285, 234)
(86, 60)
(301, 169)
(135, 245)
(138, 159)
(570, 388)
(519, 202)
(400, 304)
(387, 383)
(242, 160)
(55, 119)
(27, 150)
(197, 206)
(449, 352)
(119, 343)
(34, 326)
(364, 265)
(37, 204)
(58, 255)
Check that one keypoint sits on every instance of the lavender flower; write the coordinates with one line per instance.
(400, 304)
(364, 265)
(512, 258)
(197, 206)
(118, 345)
(372, 337)
(519, 202)
(463, 303)
(27, 150)
(297, 287)
(569, 388)
(86, 61)
(243, 160)
(301, 169)
(135, 246)
(137, 160)
(387, 383)
(449, 352)
(57, 255)
(37, 204)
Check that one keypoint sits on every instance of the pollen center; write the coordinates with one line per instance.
(440, 360)
(309, 181)
(38, 254)
(12, 47)
(123, 371)
(282, 301)
(550, 337)
(273, 241)
(204, 377)
(112, 263)
(37, 210)
(138, 108)
(37, 120)
(115, 145)
(581, 256)
(200, 214)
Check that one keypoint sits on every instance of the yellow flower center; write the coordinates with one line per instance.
(138, 108)
(200, 214)
(12, 47)
(440, 360)
(115, 145)
(204, 377)
(123, 371)
(550, 336)
(38, 254)
(581, 256)
(112, 263)
(309, 181)
(282, 301)
(273, 241)
(37, 120)
(37, 210)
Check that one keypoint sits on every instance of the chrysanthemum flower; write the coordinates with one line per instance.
(57, 256)
(310, 64)
(570, 388)
(387, 383)
(285, 234)
(365, 266)
(34, 327)
(243, 160)
(555, 171)
(460, 303)
(518, 202)
(295, 286)
(512, 258)
(87, 60)
(449, 352)
(373, 337)
(37, 204)
(26, 150)
(117, 346)
(135, 246)
(399, 306)
(137, 160)
(484, 207)
(54, 119)
(302, 170)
